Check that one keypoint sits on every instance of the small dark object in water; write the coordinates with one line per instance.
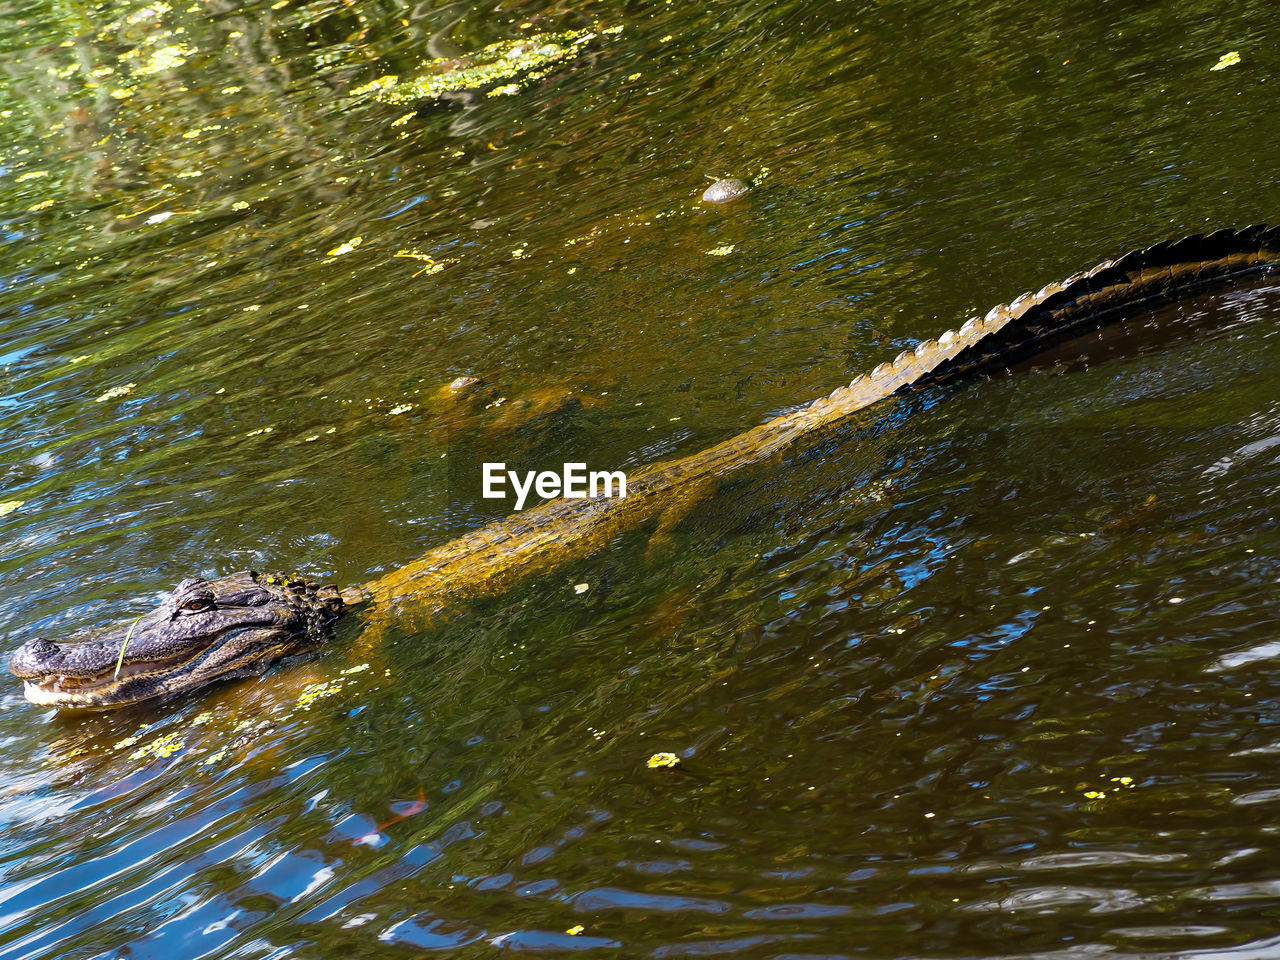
(722, 191)
(463, 385)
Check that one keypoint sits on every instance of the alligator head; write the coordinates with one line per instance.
(204, 630)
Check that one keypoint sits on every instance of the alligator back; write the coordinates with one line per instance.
(565, 530)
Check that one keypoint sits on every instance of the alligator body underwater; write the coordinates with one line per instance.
(239, 625)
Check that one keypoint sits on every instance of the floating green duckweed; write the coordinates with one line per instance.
(316, 691)
(497, 65)
(159, 748)
(132, 739)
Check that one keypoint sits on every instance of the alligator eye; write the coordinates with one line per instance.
(195, 604)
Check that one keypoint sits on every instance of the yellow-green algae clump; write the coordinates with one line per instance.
(493, 66)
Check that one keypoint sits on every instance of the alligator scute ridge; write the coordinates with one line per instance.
(239, 624)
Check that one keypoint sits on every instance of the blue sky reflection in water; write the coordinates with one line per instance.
(991, 677)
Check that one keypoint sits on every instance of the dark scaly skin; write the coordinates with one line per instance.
(204, 630)
(249, 621)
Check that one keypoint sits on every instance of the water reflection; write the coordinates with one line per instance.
(986, 678)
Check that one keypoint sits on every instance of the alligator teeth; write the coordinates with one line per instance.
(43, 695)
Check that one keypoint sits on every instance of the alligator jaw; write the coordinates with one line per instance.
(205, 630)
(110, 689)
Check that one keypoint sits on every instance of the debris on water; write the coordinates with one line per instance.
(344, 248)
(663, 761)
(433, 266)
(122, 391)
(1229, 59)
(463, 384)
(8, 506)
(581, 587)
(403, 811)
(1113, 785)
(722, 191)
(164, 59)
(576, 929)
(722, 251)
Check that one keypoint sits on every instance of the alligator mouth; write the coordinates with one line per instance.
(61, 690)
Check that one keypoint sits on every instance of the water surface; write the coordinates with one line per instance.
(989, 677)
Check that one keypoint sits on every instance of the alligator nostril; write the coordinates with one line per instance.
(34, 657)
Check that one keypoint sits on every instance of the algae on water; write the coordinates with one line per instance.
(497, 66)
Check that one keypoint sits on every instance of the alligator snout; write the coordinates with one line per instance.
(38, 658)
(35, 657)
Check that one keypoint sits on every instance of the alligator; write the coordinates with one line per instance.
(239, 625)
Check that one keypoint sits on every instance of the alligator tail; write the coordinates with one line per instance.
(1087, 301)
(563, 530)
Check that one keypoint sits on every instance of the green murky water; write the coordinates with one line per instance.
(992, 677)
